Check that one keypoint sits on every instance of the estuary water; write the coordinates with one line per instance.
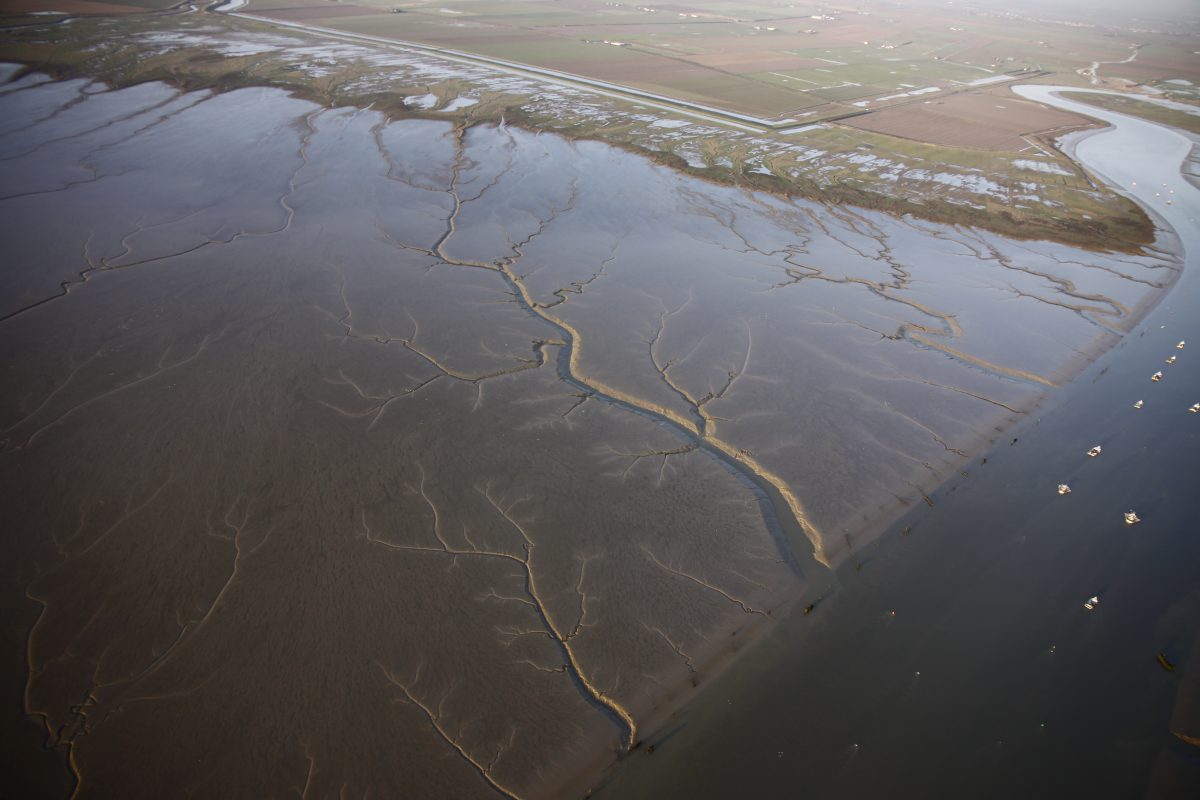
(957, 659)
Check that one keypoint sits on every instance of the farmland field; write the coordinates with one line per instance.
(980, 120)
(773, 60)
(844, 139)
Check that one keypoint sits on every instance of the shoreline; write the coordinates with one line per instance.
(883, 523)
(708, 668)
(1125, 231)
(1167, 240)
(924, 559)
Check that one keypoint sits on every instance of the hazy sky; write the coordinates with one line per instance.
(1083, 9)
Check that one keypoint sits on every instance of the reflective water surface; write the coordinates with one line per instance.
(959, 660)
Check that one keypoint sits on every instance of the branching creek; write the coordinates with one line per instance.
(781, 510)
(786, 517)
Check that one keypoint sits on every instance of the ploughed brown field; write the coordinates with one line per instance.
(756, 62)
(303, 13)
(983, 121)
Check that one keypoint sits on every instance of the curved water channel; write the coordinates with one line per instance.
(958, 659)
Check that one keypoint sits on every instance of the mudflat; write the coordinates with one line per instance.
(348, 454)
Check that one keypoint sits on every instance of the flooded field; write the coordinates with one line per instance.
(348, 454)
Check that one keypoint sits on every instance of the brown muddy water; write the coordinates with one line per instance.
(348, 455)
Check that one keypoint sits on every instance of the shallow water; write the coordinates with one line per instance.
(958, 659)
(399, 455)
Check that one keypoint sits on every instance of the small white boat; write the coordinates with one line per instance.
(1092, 602)
(1131, 518)
(1180, 345)
(1171, 360)
(1064, 489)
(1156, 377)
(1095, 451)
(1139, 404)
(1195, 409)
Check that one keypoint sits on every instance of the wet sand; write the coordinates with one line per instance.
(393, 454)
(959, 660)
